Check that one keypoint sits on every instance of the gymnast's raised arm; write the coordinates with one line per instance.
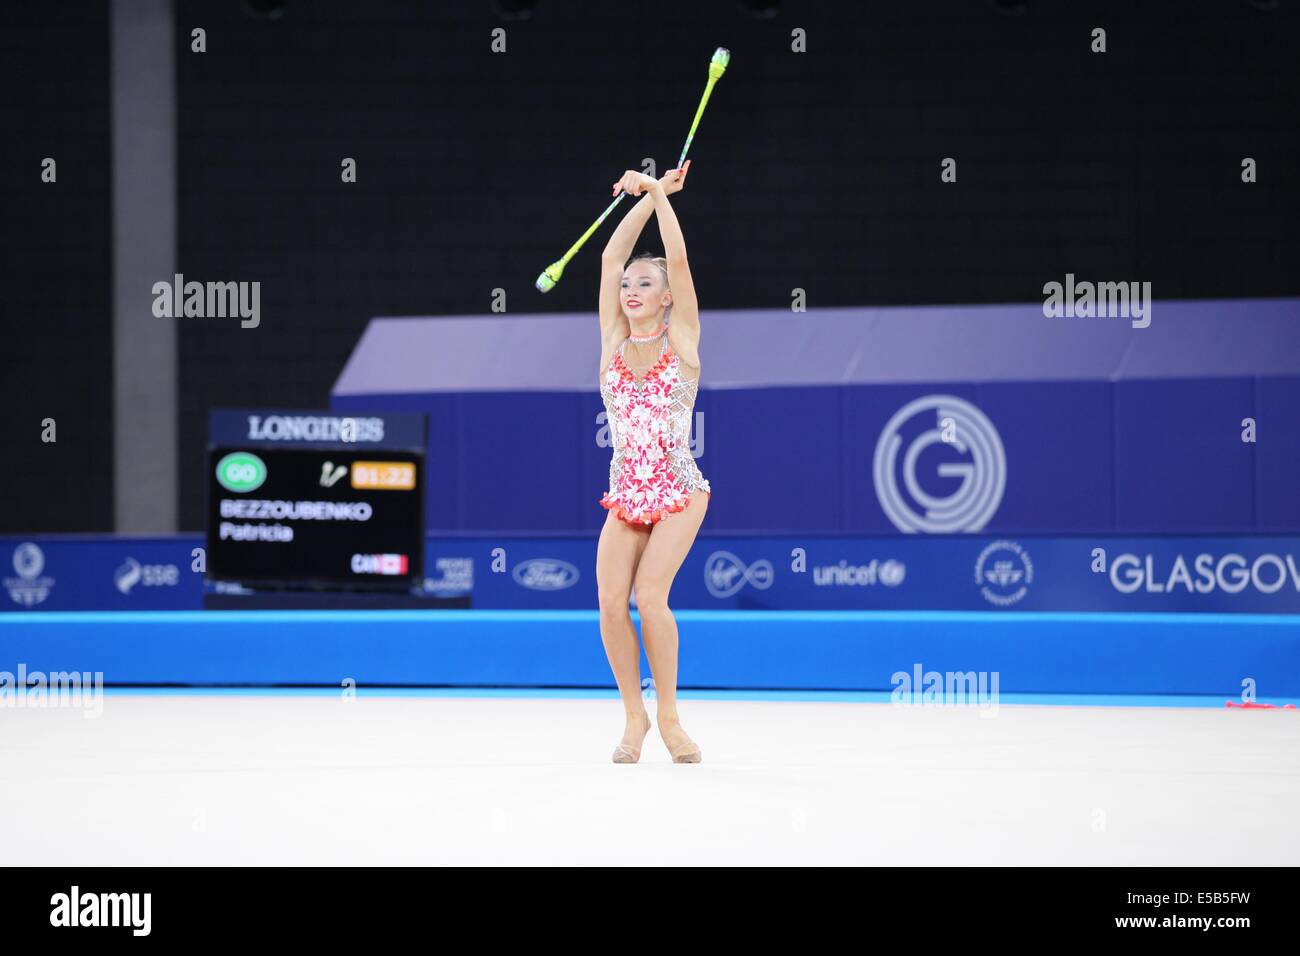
(613, 323)
(684, 329)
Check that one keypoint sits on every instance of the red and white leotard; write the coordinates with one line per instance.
(652, 472)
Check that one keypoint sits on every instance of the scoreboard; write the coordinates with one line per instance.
(315, 499)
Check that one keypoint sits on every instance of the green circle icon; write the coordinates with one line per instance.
(241, 471)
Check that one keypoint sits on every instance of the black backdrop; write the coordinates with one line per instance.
(817, 170)
(55, 270)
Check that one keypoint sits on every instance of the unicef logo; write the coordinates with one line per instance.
(725, 574)
(545, 574)
(1004, 573)
(983, 478)
(892, 573)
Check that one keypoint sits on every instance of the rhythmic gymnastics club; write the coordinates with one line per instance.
(552, 273)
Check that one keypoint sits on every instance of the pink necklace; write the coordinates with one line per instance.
(648, 338)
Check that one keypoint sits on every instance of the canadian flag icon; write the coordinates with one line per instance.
(392, 564)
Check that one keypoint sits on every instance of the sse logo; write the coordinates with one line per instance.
(241, 471)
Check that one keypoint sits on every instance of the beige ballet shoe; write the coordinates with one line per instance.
(625, 754)
(688, 752)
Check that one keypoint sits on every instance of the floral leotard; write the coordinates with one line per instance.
(652, 472)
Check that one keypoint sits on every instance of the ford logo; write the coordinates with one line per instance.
(546, 574)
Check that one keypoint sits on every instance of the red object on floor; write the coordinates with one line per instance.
(1252, 706)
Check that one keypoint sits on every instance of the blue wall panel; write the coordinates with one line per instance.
(1139, 457)
(1277, 452)
(1060, 459)
(1180, 463)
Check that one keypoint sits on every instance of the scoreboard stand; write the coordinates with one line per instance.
(314, 509)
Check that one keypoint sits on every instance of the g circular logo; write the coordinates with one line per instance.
(962, 426)
(241, 471)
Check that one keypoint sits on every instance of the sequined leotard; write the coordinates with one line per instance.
(652, 472)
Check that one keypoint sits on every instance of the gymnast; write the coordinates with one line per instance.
(657, 498)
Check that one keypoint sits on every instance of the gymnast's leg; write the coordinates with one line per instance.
(617, 555)
(669, 543)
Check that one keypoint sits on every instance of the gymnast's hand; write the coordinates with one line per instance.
(635, 183)
(674, 181)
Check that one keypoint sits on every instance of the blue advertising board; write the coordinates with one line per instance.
(1257, 575)
(101, 573)
(1086, 573)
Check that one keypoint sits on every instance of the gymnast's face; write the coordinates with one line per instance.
(644, 294)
